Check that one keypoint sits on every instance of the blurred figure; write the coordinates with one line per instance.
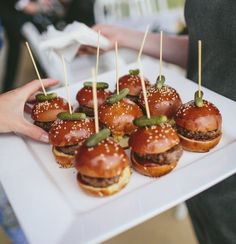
(14, 14)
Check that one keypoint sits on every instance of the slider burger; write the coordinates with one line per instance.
(67, 133)
(46, 108)
(155, 146)
(102, 164)
(117, 114)
(198, 124)
(132, 81)
(85, 97)
(162, 99)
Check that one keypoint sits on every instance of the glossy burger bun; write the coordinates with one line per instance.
(119, 118)
(47, 111)
(68, 133)
(133, 82)
(153, 140)
(85, 96)
(162, 102)
(106, 160)
(203, 119)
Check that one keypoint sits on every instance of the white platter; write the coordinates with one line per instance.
(51, 207)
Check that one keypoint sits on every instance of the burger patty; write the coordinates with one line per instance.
(168, 157)
(84, 109)
(44, 125)
(198, 135)
(98, 182)
(133, 98)
(70, 150)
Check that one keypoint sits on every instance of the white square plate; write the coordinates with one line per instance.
(53, 209)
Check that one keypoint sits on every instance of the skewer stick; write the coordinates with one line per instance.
(66, 83)
(98, 52)
(161, 48)
(95, 102)
(35, 67)
(144, 90)
(199, 67)
(117, 70)
(143, 42)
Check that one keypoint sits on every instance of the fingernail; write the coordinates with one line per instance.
(44, 138)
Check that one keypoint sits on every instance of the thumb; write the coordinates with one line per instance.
(33, 132)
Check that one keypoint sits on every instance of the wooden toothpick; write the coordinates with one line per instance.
(199, 67)
(161, 48)
(95, 103)
(35, 67)
(117, 70)
(143, 42)
(66, 83)
(144, 89)
(97, 59)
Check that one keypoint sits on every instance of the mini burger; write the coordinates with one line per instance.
(102, 164)
(198, 124)
(162, 99)
(46, 108)
(85, 97)
(155, 146)
(132, 81)
(117, 114)
(67, 133)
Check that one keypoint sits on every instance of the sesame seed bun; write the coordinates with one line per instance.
(153, 140)
(66, 133)
(47, 111)
(103, 161)
(193, 118)
(119, 117)
(165, 101)
(85, 96)
(133, 82)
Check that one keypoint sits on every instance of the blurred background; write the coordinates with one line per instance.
(26, 20)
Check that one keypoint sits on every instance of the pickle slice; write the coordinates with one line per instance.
(160, 82)
(100, 85)
(42, 98)
(134, 71)
(144, 121)
(98, 137)
(74, 116)
(117, 97)
(198, 99)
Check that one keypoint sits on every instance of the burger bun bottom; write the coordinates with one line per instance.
(110, 190)
(64, 160)
(152, 171)
(198, 146)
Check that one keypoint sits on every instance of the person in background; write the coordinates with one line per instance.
(14, 14)
(213, 212)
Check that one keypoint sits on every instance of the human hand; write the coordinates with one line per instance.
(12, 106)
(114, 34)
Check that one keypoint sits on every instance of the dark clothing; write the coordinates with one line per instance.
(214, 22)
(213, 212)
